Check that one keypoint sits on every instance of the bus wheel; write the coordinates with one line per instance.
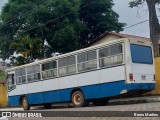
(25, 104)
(48, 106)
(78, 99)
(101, 102)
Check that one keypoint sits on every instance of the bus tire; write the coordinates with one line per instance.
(25, 103)
(101, 102)
(48, 106)
(78, 99)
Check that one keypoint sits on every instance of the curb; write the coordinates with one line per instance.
(146, 99)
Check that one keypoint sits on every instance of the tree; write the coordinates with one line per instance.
(66, 25)
(153, 21)
(17, 60)
(29, 48)
(98, 18)
(42, 22)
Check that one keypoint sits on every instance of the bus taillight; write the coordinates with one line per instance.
(131, 77)
(154, 77)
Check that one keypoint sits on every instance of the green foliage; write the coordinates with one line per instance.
(28, 47)
(135, 3)
(66, 25)
(16, 61)
(99, 18)
(2, 75)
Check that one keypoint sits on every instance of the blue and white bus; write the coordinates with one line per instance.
(94, 74)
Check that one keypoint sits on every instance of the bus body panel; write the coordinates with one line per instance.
(34, 87)
(88, 78)
(142, 73)
(98, 83)
(68, 82)
(142, 63)
(104, 90)
(21, 89)
(85, 79)
(52, 84)
(14, 100)
(112, 74)
(37, 98)
(139, 61)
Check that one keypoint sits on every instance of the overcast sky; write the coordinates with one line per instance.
(2, 2)
(132, 16)
(127, 15)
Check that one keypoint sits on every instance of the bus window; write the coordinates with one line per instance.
(116, 54)
(87, 61)
(110, 56)
(104, 52)
(141, 54)
(20, 76)
(23, 74)
(67, 66)
(36, 72)
(116, 49)
(104, 60)
(11, 81)
(33, 73)
(71, 65)
(49, 70)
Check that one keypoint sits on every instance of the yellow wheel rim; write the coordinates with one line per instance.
(24, 103)
(77, 99)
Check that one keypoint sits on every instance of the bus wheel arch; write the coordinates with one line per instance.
(20, 99)
(78, 98)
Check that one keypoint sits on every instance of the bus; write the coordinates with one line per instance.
(95, 74)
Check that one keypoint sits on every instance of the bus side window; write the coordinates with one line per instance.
(33, 73)
(116, 53)
(10, 81)
(67, 65)
(111, 55)
(49, 69)
(87, 61)
(103, 57)
(13, 82)
(36, 72)
(116, 49)
(20, 76)
(71, 65)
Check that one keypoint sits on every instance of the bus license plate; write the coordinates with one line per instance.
(143, 77)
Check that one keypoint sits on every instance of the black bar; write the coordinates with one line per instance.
(80, 113)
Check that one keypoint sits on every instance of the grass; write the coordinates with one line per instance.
(2, 76)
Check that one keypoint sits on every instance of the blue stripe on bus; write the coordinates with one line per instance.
(90, 92)
(14, 100)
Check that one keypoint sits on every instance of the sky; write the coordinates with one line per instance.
(127, 15)
(131, 16)
(2, 2)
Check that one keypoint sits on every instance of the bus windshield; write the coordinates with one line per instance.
(141, 54)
